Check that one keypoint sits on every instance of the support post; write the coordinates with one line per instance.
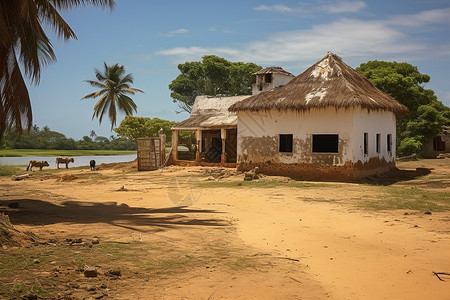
(198, 138)
(175, 145)
(162, 141)
(223, 136)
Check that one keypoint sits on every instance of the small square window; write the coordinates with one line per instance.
(286, 142)
(325, 143)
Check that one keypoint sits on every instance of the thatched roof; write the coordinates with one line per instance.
(211, 113)
(328, 83)
(273, 70)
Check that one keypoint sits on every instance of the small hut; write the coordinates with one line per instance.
(328, 123)
(209, 136)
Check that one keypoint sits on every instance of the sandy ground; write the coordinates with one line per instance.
(297, 243)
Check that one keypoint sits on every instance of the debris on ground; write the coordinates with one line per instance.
(90, 272)
(20, 177)
(251, 175)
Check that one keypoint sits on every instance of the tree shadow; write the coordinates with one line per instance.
(40, 212)
(395, 175)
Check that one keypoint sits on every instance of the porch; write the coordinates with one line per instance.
(204, 146)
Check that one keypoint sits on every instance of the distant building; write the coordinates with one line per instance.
(438, 145)
(328, 123)
(270, 78)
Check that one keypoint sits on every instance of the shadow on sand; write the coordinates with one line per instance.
(39, 212)
(396, 175)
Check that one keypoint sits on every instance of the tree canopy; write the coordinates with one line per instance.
(136, 127)
(404, 82)
(212, 76)
(25, 46)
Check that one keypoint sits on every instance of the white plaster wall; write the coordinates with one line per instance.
(280, 79)
(302, 125)
(277, 80)
(373, 122)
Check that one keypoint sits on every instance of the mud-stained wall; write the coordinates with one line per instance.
(258, 143)
(258, 136)
(373, 122)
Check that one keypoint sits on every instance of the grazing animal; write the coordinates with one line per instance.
(37, 163)
(92, 163)
(64, 160)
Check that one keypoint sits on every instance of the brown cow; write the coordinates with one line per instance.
(64, 160)
(37, 163)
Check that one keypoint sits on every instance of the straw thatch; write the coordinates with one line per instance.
(211, 112)
(328, 83)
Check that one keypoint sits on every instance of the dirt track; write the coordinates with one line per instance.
(238, 242)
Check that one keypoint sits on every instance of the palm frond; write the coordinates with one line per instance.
(96, 84)
(69, 4)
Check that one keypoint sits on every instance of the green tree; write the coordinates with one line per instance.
(115, 87)
(136, 127)
(212, 76)
(25, 46)
(92, 134)
(404, 82)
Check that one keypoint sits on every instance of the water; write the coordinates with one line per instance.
(78, 160)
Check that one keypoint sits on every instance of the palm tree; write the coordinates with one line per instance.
(114, 90)
(24, 45)
(92, 134)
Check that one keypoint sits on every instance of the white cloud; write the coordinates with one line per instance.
(343, 7)
(428, 17)
(345, 37)
(212, 29)
(274, 8)
(177, 32)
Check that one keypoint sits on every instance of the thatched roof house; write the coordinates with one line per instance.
(328, 123)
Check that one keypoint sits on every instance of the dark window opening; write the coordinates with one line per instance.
(267, 78)
(325, 143)
(286, 142)
(389, 142)
(378, 142)
(366, 143)
(438, 144)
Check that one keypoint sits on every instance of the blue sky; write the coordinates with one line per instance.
(150, 38)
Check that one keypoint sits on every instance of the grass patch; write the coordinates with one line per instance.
(265, 184)
(242, 263)
(408, 198)
(7, 170)
(435, 177)
(52, 152)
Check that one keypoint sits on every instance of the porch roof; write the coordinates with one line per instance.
(211, 113)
